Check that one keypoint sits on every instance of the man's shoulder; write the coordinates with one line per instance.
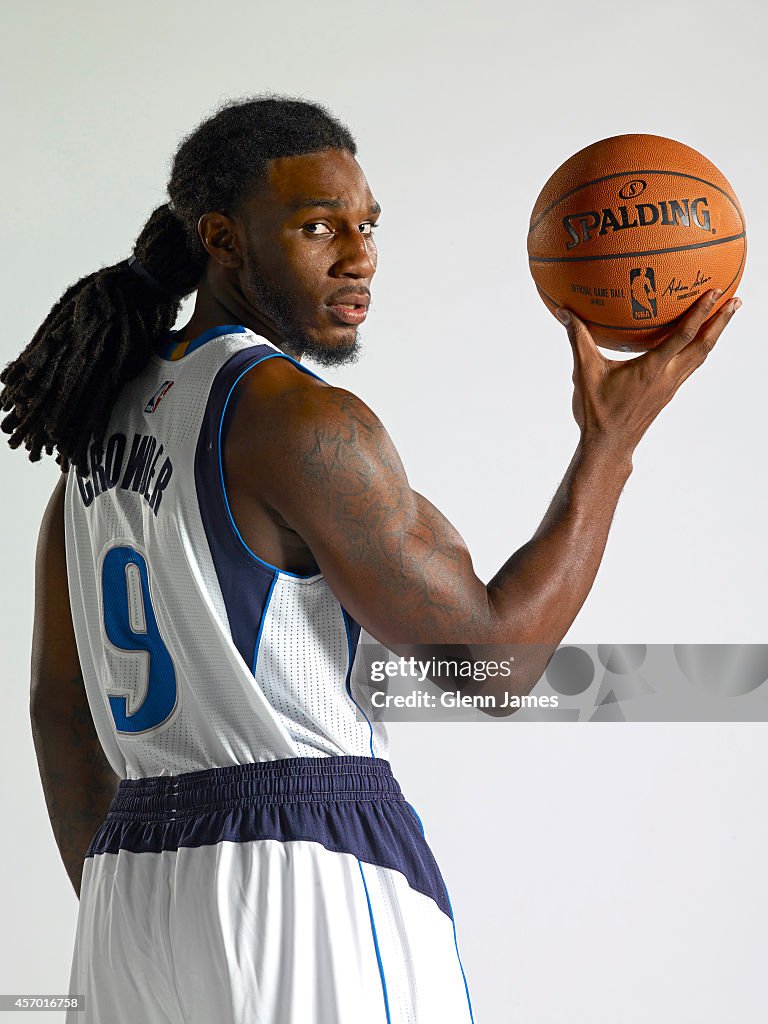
(280, 397)
(292, 432)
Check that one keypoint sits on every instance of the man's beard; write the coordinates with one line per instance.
(281, 310)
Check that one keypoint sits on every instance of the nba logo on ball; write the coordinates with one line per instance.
(642, 291)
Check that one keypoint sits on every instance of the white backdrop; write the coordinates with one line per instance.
(599, 873)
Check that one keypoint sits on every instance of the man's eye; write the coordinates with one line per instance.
(367, 228)
(317, 229)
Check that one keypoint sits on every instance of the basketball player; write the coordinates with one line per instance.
(225, 524)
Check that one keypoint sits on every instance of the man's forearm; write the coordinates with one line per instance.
(533, 599)
(538, 592)
(77, 779)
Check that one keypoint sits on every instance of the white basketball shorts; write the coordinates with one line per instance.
(298, 891)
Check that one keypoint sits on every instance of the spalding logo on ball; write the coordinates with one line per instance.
(629, 232)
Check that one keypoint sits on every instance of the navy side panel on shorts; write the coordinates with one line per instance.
(348, 804)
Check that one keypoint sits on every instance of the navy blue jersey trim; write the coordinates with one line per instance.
(349, 804)
(220, 444)
(245, 582)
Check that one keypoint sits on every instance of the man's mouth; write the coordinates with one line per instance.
(349, 313)
(353, 311)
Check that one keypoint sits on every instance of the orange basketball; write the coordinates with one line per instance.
(629, 232)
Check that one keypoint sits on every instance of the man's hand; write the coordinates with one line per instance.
(614, 402)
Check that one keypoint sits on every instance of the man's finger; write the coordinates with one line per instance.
(585, 351)
(694, 354)
(687, 329)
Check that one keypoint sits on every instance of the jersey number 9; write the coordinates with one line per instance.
(149, 695)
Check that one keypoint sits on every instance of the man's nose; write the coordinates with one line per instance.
(357, 258)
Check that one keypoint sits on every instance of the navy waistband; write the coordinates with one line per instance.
(348, 804)
(287, 781)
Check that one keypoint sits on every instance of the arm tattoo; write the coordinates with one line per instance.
(423, 565)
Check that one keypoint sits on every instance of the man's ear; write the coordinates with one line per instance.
(218, 233)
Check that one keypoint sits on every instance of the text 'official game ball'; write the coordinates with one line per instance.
(629, 232)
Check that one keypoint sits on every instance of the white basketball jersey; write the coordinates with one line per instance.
(195, 652)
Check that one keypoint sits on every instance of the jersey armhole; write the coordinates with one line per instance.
(234, 398)
(221, 528)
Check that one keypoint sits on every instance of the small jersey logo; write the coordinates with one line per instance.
(158, 396)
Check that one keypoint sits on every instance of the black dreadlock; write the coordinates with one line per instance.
(101, 332)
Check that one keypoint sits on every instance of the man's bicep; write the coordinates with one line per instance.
(393, 560)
